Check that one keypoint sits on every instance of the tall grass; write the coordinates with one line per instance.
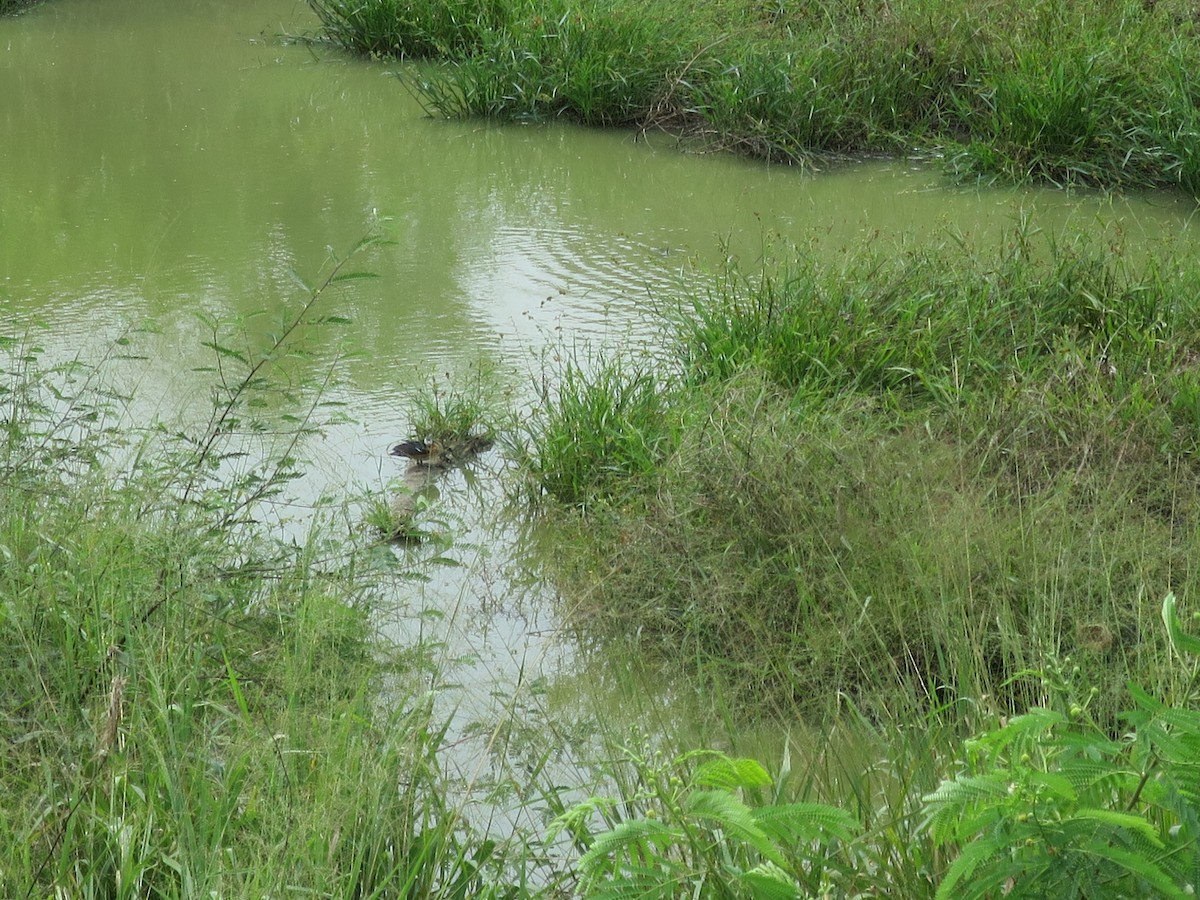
(910, 480)
(1074, 91)
(919, 496)
(191, 702)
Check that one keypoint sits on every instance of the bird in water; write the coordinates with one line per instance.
(423, 453)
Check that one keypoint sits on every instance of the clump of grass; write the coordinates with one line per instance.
(1067, 329)
(410, 28)
(910, 480)
(459, 410)
(1088, 109)
(599, 64)
(595, 428)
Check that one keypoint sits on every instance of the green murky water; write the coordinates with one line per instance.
(161, 159)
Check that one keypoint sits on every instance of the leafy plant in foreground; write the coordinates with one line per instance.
(1050, 807)
(705, 830)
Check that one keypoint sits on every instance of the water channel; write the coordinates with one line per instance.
(160, 159)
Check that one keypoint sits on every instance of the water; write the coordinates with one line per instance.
(165, 159)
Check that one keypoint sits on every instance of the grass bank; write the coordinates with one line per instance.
(1098, 92)
(905, 484)
(926, 502)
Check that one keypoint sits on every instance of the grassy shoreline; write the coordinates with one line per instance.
(1089, 92)
(914, 497)
(899, 482)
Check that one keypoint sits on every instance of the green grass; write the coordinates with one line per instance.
(460, 408)
(899, 483)
(191, 706)
(920, 509)
(1094, 92)
(601, 65)
(195, 707)
(410, 29)
(597, 425)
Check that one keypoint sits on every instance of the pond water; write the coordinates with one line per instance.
(162, 159)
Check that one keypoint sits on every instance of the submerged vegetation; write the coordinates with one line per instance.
(1099, 92)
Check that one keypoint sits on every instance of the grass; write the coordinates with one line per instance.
(1096, 92)
(192, 703)
(406, 28)
(598, 425)
(459, 409)
(921, 508)
(915, 479)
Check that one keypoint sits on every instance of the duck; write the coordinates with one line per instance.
(432, 454)
(437, 454)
